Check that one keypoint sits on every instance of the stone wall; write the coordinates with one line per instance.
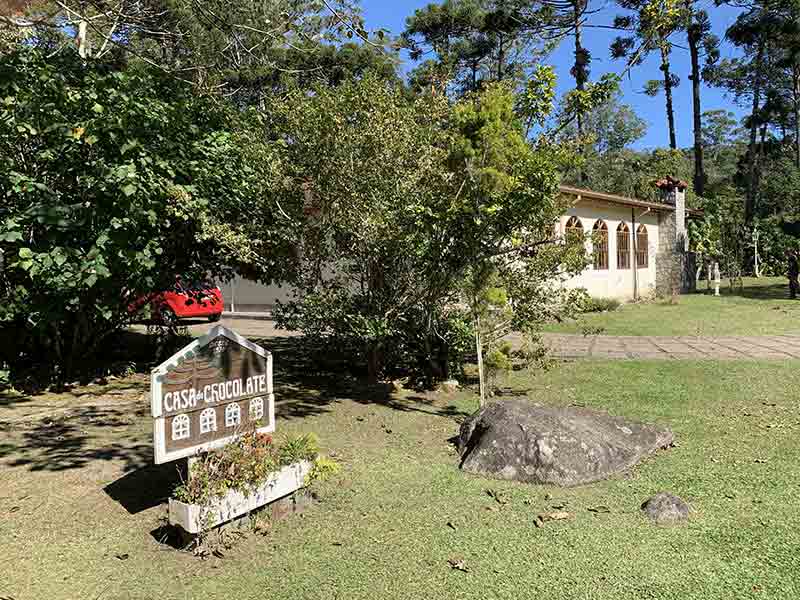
(675, 265)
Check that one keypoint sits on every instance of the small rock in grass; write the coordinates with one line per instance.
(666, 509)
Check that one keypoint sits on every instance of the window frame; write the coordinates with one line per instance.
(600, 260)
(623, 247)
(208, 425)
(233, 415)
(573, 227)
(181, 424)
(642, 249)
(256, 411)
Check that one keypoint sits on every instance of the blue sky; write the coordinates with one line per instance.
(391, 14)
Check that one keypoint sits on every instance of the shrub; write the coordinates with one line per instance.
(597, 305)
(111, 183)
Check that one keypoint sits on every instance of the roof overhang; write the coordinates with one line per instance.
(583, 194)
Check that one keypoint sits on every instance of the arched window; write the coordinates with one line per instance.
(623, 247)
(256, 409)
(600, 240)
(208, 421)
(574, 227)
(233, 415)
(180, 427)
(642, 258)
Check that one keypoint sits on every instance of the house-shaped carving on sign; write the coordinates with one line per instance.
(209, 393)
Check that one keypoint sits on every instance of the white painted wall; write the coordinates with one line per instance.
(615, 283)
(243, 295)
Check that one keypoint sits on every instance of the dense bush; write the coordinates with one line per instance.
(410, 210)
(597, 305)
(110, 181)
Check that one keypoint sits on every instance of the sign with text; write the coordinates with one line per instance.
(205, 396)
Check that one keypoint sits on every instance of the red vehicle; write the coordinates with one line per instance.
(192, 300)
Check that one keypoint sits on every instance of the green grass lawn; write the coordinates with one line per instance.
(74, 525)
(761, 308)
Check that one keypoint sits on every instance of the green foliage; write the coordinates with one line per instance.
(324, 468)
(295, 449)
(246, 464)
(497, 362)
(110, 183)
(633, 173)
(597, 305)
(611, 126)
(406, 205)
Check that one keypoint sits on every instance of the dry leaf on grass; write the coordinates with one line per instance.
(498, 497)
(554, 516)
(457, 564)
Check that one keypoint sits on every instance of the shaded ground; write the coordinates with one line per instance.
(79, 511)
(763, 307)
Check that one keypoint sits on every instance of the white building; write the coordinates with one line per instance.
(638, 247)
(644, 251)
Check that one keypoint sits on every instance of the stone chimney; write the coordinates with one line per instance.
(674, 262)
(674, 191)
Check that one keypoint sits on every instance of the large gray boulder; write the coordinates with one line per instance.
(566, 446)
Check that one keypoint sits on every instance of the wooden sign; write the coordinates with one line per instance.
(209, 393)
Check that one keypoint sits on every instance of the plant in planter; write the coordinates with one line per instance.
(248, 473)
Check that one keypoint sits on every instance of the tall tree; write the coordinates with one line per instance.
(235, 46)
(702, 43)
(752, 79)
(478, 41)
(652, 23)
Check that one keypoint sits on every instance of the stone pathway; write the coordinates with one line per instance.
(770, 347)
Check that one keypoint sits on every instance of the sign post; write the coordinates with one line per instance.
(206, 395)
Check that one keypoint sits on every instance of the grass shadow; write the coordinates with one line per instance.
(769, 291)
(308, 383)
(66, 443)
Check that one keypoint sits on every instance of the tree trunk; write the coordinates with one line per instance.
(751, 152)
(500, 58)
(694, 51)
(580, 74)
(668, 94)
(796, 107)
(479, 350)
(374, 361)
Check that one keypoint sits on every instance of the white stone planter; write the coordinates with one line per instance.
(194, 518)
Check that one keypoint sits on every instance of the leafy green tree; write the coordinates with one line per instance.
(408, 209)
(751, 79)
(725, 143)
(112, 182)
(610, 127)
(242, 48)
